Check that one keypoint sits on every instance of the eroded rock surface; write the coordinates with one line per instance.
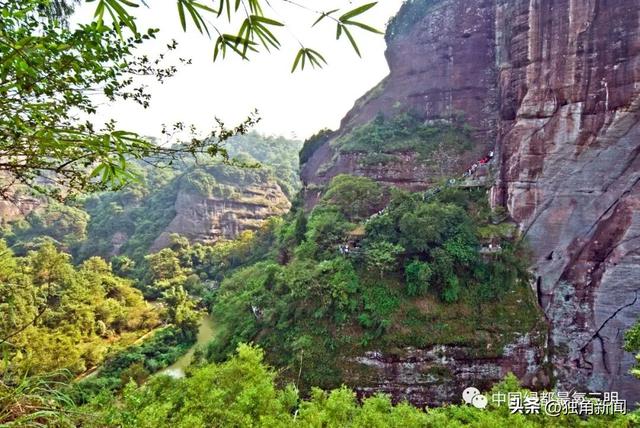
(208, 219)
(569, 142)
(443, 67)
(437, 375)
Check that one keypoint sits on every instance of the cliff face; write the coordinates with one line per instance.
(437, 375)
(17, 208)
(441, 67)
(569, 141)
(554, 87)
(208, 218)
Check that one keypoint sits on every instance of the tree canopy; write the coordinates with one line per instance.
(52, 78)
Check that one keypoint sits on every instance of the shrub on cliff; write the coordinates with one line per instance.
(408, 276)
(312, 144)
(433, 142)
(356, 197)
(632, 344)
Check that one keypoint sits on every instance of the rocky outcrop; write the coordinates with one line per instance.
(16, 202)
(554, 86)
(206, 218)
(442, 67)
(569, 141)
(15, 208)
(437, 375)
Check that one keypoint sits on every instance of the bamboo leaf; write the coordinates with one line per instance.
(183, 21)
(129, 3)
(194, 16)
(363, 26)
(316, 53)
(352, 40)
(297, 60)
(357, 11)
(267, 20)
(324, 15)
(203, 7)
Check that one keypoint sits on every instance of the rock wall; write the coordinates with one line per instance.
(207, 218)
(569, 139)
(15, 208)
(437, 375)
(442, 67)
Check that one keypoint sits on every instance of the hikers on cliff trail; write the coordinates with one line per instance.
(485, 160)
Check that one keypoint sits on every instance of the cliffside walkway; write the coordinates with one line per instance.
(468, 180)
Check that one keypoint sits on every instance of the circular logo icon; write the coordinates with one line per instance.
(469, 393)
(479, 401)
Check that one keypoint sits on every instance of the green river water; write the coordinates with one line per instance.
(206, 332)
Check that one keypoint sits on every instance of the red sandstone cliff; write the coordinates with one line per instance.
(569, 138)
(443, 66)
(554, 86)
(211, 218)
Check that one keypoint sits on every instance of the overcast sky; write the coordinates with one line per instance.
(290, 104)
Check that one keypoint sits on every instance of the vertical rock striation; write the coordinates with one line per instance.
(569, 139)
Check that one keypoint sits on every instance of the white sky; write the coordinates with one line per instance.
(296, 104)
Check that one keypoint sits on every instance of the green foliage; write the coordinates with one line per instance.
(426, 226)
(198, 268)
(181, 312)
(356, 197)
(164, 272)
(239, 392)
(312, 144)
(436, 141)
(63, 317)
(632, 344)
(417, 277)
(277, 155)
(242, 392)
(128, 221)
(300, 227)
(313, 302)
(49, 73)
(295, 301)
(327, 228)
(134, 362)
(380, 302)
(36, 401)
(64, 224)
(410, 13)
(311, 56)
(382, 256)
(234, 305)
